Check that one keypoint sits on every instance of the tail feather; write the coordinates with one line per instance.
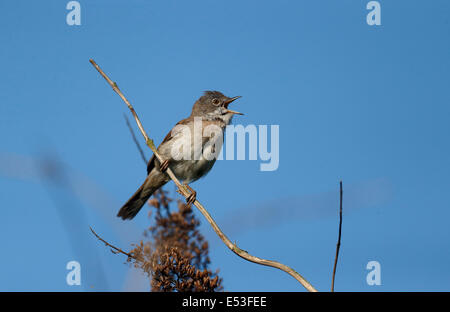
(138, 200)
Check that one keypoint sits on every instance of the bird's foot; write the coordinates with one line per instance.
(192, 197)
(164, 165)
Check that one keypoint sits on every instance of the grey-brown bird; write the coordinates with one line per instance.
(187, 155)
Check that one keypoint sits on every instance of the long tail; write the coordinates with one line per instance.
(135, 203)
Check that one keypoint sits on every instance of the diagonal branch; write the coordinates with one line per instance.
(183, 190)
(114, 249)
(338, 245)
(141, 152)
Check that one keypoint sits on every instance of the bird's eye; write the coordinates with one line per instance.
(216, 102)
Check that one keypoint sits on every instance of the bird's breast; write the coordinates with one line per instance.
(193, 152)
(191, 170)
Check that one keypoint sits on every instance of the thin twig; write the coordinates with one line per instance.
(112, 246)
(135, 139)
(338, 245)
(183, 190)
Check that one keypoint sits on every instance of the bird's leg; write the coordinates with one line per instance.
(164, 165)
(192, 197)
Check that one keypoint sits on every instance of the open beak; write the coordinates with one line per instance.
(233, 112)
(228, 102)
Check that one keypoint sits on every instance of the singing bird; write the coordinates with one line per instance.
(211, 109)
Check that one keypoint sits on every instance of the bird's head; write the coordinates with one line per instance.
(213, 105)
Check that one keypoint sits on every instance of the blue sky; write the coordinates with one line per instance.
(368, 105)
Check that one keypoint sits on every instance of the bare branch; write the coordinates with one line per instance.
(338, 245)
(116, 250)
(135, 139)
(183, 190)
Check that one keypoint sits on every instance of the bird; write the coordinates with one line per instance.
(188, 159)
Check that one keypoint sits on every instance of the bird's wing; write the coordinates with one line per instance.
(151, 163)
